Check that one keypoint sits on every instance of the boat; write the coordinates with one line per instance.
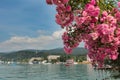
(69, 62)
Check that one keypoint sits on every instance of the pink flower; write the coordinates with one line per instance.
(89, 8)
(94, 19)
(114, 56)
(68, 8)
(80, 20)
(84, 13)
(107, 39)
(103, 29)
(66, 44)
(59, 2)
(116, 41)
(64, 19)
(93, 2)
(104, 13)
(68, 50)
(61, 9)
(94, 35)
(75, 45)
(49, 2)
(92, 26)
(118, 31)
(65, 36)
(96, 12)
(118, 4)
(58, 19)
(65, 1)
(92, 10)
(111, 19)
(117, 16)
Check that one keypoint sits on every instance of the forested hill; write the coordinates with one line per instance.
(26, 54)
(76, 51)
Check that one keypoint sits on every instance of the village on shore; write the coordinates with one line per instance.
(52, 59)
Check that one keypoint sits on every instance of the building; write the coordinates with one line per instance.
(35, 60)
(88, 58)
(53, 57)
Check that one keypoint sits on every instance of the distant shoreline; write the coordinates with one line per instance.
(84, 62)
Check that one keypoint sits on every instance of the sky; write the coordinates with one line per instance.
(28, 24)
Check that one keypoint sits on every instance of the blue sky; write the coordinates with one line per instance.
(28, 24)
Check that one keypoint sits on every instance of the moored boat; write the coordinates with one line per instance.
(69, 62)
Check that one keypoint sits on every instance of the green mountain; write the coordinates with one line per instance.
(27, 54)
(76, 51)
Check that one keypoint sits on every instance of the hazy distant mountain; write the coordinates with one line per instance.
(25, 54)
(76, 51)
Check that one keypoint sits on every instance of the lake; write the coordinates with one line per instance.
(51, 72)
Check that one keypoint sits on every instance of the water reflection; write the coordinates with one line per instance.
(52, 72)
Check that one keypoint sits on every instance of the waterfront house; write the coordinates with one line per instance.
(53, 57)
(35, 60)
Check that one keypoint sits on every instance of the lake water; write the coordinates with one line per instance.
(51, 72)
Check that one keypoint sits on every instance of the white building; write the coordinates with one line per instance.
(88, 58)
(31, 61)
(52, 57)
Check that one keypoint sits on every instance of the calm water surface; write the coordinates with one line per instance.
(51, 72)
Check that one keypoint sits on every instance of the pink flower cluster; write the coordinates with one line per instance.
(91, 9)
(57, 2)
(100, 30)
(64, 16)
(70, 42)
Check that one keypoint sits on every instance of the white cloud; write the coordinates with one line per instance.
(39, 42)
(41, 31)
(58, 34)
